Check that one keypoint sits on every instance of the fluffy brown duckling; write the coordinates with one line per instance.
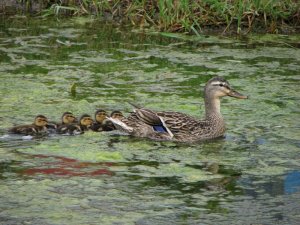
(116, 114)
(108, 125)
(84, 124)
(69, 129)
(66, 119)
(101, 123)
(100, 119)
(39, 126)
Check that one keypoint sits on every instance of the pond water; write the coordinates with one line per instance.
(252, 176)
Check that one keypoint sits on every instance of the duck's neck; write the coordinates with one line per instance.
(214, 117)
(212, 108)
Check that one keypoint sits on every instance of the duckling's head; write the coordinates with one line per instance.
(100, 115)
(68, 118)
(219, 87)
(86, 120)
(40, 121)
(116, 114)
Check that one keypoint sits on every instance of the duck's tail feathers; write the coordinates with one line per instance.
(148, 116)
(135, 105)
(121, 126)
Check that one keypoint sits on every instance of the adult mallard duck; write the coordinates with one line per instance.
(36, 128)
(180, 127)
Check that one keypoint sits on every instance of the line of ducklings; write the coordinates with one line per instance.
(69, 124)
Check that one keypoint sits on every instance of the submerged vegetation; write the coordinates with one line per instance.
(193, 16)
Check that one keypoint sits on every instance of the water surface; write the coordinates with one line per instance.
(250, 177)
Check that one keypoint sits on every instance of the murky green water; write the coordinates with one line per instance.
(250, 177)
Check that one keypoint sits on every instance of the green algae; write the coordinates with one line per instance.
(107, 178)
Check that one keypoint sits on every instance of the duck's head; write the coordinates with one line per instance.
(116, 114)
(68, 118)
(218, 87)
(40, 121)
(100, 115)
(86, 120)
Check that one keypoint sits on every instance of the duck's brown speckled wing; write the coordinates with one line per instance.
(179, 126)
(182, 126)
(175, 121)
(187, 128)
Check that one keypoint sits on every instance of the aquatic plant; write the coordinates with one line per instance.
(190, 16)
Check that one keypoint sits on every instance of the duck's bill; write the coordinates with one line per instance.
(236, 94)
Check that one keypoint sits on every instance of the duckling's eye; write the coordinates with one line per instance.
(221, 85)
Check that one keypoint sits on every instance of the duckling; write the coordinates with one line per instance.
(116, 114)
(69, 129)
(101, 123)
(108, 125)
(68, 125)
(39, 126)
(68, 118)
(84, 124)
(100, 117)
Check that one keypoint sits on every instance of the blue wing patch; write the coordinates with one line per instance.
(159, 128)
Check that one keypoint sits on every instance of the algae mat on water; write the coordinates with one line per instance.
(250, 177)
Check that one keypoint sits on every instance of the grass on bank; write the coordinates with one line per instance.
(192, 16)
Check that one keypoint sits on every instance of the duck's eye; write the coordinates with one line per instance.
(221, 85)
